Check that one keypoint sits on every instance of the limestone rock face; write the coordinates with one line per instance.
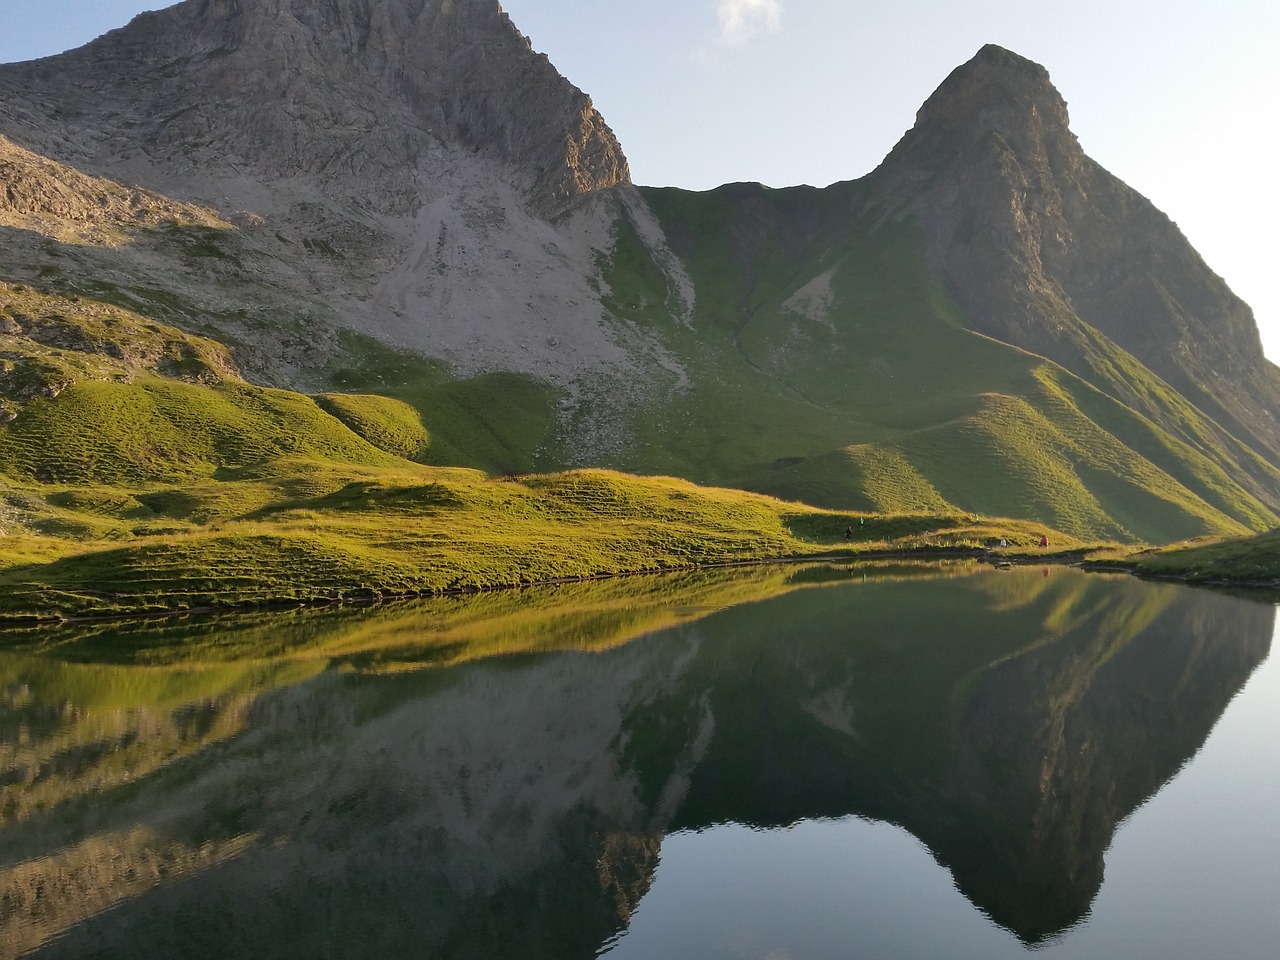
(362, 95)
(410, 170)
(1044, 249)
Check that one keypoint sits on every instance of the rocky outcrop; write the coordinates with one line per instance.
(39, 194)
(48, 344)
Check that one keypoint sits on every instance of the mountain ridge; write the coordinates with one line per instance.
(868, 344)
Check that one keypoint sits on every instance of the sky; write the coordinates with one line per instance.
(1178, 98)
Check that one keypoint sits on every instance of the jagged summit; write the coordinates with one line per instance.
(367, 97)
(999, 101)
(998, 91)
(407, 169)
(997, 66)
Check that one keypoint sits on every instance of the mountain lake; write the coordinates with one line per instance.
(782, 762)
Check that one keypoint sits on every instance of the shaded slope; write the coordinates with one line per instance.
(42, 195)
(821, 334)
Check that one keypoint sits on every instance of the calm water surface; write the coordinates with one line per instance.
(769, 763)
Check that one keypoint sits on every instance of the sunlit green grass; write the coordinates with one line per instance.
(388, 424)
(142, 474)
(499, 422)
(363, 533)
(159, 429)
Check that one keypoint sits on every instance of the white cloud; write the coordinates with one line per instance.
(740, 20)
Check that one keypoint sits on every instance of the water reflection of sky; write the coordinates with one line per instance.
(1193, 873)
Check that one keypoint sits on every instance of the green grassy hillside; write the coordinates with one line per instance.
(830, 367)
(298, 531)
(827, 373)
(500, 422)
(128, 489)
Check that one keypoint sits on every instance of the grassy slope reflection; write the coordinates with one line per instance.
(90, 705)
(1009, 720)
(94, 717)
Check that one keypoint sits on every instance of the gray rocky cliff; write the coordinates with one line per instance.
(363, 96)
(410, 170)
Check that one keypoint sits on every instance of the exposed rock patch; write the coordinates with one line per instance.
(814, 300)
(60, 202)
(49, 343)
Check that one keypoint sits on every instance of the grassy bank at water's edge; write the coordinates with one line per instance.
(1238, 561)
(346, 532)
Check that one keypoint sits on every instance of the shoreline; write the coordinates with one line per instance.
(1076, 557)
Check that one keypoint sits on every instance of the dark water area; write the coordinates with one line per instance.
(788, 762)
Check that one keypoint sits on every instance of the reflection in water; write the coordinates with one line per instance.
(356, 783)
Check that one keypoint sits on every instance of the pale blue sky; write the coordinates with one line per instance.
(1176, 97)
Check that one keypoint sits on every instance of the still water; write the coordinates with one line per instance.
(793, 762)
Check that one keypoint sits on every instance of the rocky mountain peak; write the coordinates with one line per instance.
(1044, 249)
(364, 95)
(996, 102)
(996, 83)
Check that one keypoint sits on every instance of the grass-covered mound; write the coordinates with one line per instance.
(95, 395)
(498, 422)
(161, 429)
(1242, 560)
(389, 424)
(293, 531)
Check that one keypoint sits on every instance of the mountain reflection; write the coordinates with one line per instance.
(177, 804)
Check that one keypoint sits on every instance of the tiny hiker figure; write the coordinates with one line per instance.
(1044, 539)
